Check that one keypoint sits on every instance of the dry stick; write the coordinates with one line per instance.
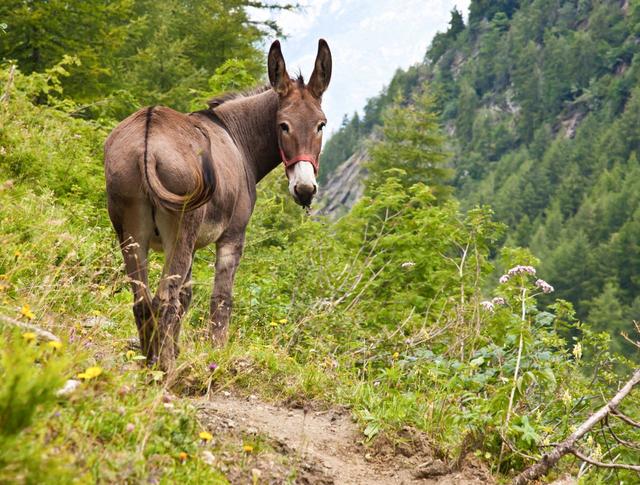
(549, 460)
(4, 99)
(625, 418)
(601, 464)
(623, 442)
(43, 334)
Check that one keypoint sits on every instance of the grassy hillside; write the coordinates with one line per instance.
(397, 313)
(540, 100)
(382, 312)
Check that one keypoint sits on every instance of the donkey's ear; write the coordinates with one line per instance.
(278, 76)
(322, 71)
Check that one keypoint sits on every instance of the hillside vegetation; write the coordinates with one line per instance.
(541, 102)
(395, 312)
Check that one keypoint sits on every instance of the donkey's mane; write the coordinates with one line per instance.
(223, 98)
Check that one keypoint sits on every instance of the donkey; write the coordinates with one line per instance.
(177, 182)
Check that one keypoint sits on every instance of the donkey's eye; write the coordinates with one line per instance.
(321, 126)
(284, 127)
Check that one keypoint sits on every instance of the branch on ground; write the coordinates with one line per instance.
(549, 460)
(41, 333)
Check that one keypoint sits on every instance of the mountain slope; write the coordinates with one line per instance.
(540, 100)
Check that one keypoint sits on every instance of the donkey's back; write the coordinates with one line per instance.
(161, 155)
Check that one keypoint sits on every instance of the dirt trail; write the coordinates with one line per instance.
(326, 446)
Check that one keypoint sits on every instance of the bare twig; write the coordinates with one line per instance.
(625, 418)
(549, 460)
(601, 464)
(41, 333)
(4, 99)
(623, 442)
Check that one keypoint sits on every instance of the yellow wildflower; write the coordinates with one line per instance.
(130, 354)
(26, 311)
(55, 345)
(577, 351)
(29, 336)
(396, 355)
(182, 456)
(204, 436)
(18, 253)
(274, 324)
(282, 320)
(247, 448)
(597, 452)
(90, 373)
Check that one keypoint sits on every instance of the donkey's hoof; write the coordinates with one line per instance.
(219, 333)
(167, 364)
(219, 338)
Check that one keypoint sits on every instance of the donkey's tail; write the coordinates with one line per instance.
(203, 176)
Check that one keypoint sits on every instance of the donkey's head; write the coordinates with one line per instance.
(300, 120)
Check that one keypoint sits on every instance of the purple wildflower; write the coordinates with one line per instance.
(521, 270)
(504, 278)
(498, 300)
(487, 305)
(544, 286)
(213, 366)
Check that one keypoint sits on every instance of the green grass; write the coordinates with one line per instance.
(379, 312)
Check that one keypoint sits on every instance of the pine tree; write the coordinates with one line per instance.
(456, 24)
(411, 141)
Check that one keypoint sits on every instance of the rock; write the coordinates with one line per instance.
(344, 188)
(98, 321)
(69, 386)
(208, 457)
(434, 469)
(565, 480)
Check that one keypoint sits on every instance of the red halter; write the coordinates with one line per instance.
(300, 158)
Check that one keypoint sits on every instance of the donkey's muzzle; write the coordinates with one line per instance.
(305, 192)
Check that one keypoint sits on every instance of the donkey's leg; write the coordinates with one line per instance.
(179, 234)
(184, 297)
(228, 255)
(133, 222)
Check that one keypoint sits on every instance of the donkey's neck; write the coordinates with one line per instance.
(251, 122)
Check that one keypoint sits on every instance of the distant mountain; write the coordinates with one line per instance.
(541, 101)
(344, 187)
